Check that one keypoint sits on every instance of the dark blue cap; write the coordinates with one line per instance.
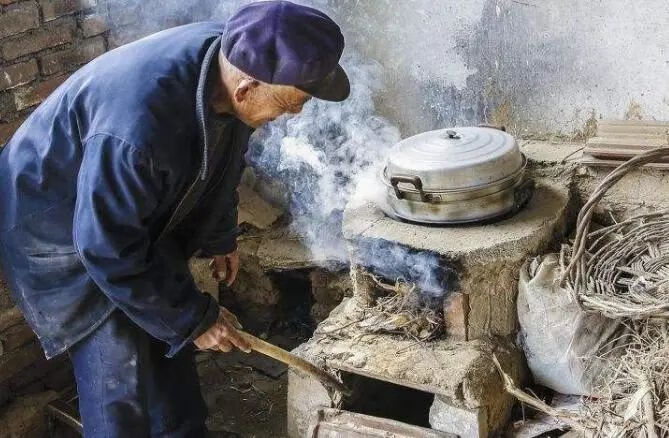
(279, 42)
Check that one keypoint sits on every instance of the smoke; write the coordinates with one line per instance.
(433, 276)
(323, 154)
(326, 156)
(329, 156)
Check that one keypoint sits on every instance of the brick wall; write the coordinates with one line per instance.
(43, 41)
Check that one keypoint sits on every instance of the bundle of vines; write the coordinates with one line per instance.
(621, 270)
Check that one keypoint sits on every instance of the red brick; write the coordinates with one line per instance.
(19, 18)
(6, 131)
(31, 95)
(12, 316)
(12, 364)
(92, 25)
(24, 382)
(52, 9)
(18, 74)
(7, 108)
(51, 35)
(69, 59)
(456, 315)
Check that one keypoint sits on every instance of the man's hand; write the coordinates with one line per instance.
(223, 334)
(225, 267)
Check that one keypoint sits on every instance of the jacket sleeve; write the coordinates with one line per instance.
(223, 240)
(118, 190)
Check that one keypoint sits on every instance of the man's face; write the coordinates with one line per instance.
(257, 103)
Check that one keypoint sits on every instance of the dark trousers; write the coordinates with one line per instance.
(128, 388)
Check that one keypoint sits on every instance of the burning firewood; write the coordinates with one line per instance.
(404, 310)
(399, 309)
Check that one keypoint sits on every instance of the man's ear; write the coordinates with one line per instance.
(243, 89)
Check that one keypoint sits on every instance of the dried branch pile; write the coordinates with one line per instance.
(634, 396)
(404, 310)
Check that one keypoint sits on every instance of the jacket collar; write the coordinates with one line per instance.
(208, 73)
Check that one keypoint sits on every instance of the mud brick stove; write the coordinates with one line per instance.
(445, 386)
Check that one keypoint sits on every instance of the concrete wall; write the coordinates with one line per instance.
(538, 66)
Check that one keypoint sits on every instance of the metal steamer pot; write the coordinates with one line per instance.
(456, 175)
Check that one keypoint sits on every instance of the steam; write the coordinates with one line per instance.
(296, 152)
(327, 156)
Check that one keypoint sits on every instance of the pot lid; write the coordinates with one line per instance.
(456, 158)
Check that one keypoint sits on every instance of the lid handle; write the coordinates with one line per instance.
(451, 134)
(408, 179)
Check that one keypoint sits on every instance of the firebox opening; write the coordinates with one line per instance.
(295, 301)
(387, 400)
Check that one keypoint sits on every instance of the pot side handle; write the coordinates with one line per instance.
(408, 179)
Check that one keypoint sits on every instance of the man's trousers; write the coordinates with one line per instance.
(128, 388)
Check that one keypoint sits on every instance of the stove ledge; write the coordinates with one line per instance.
(462, 375)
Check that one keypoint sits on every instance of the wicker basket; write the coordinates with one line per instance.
(622, 270)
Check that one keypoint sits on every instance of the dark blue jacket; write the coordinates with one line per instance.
(112, 183)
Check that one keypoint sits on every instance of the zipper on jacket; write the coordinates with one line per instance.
(178, 215)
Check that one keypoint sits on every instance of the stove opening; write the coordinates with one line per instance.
(295, 303)
(290, 316)
(387, 400)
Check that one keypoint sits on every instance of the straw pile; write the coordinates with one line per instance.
(633, 396)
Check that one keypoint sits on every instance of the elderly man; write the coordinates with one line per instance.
(121, 175)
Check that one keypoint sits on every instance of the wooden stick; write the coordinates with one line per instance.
(565, 416)
(294, 361)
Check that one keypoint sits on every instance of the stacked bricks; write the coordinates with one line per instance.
(25, 374)
(41, 43)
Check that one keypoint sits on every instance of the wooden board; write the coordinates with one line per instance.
(648, 127)
(629, 142)
(619, 140)
(614, 154)
(594, 161)
(329, 422)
